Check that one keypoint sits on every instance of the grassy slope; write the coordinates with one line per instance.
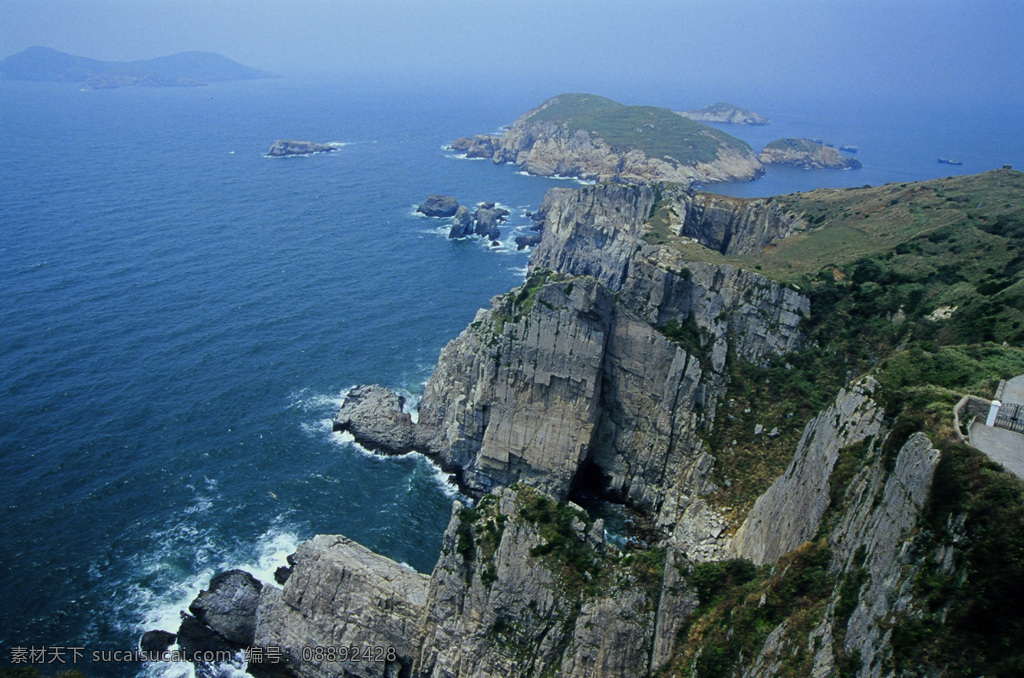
(658, 132)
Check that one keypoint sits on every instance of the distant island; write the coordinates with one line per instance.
(185, 69)
(727, 113)
(806, 154)
(593, 138)
(285, 147)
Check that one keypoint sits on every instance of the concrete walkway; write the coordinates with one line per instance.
(1001, 445)
(1013, 390)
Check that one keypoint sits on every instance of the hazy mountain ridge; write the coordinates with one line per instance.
(181, 69)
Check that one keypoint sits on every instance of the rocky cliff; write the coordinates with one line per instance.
(593, 138)
(610, 378)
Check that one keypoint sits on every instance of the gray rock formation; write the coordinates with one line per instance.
(479, 146)
(524, 241)
(340, 595)
(462, 223)
(285, 147)
(789, 513)
(229, 606)
(603, 374)
(375, 416)
(722, 112)
(486, 219)
(438, 206)
(806, 154)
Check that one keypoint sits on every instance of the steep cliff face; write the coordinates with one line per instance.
(727, 225)
(614, 371)
(342, 595)
(518, 592)
(608, 374)
(789, 513)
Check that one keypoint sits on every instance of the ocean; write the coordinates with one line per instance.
(181, 316)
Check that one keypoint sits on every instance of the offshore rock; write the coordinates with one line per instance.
(285, 147)
(806, 154)
(524, 241)
(478, 146)
(462, 223)
(439, 206)
(486, 219)
(156, 641)
(229, 606)
(375, 417)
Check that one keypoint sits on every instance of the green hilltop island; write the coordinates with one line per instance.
(593, 138)
(708, 437)
(185, 69)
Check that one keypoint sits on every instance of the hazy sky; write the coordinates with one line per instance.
(955, 48)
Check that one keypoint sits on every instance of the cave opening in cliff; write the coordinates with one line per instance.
(591, 487)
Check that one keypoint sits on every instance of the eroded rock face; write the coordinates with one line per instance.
(726, 113)
(462, 223)
(518, 613)
(517, 399)
(789, 513)
(341, 594)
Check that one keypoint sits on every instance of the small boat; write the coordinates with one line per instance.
(849, 149)
(950, 161)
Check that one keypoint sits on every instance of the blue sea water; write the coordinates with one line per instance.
(180, 316)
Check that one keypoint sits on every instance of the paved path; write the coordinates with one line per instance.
(1013, 391)
(1001, 445)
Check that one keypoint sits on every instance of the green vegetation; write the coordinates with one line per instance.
(740, 604)
(800, 145)
(518, 303)
(658, 132)
(874, 278)
(943, 257)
